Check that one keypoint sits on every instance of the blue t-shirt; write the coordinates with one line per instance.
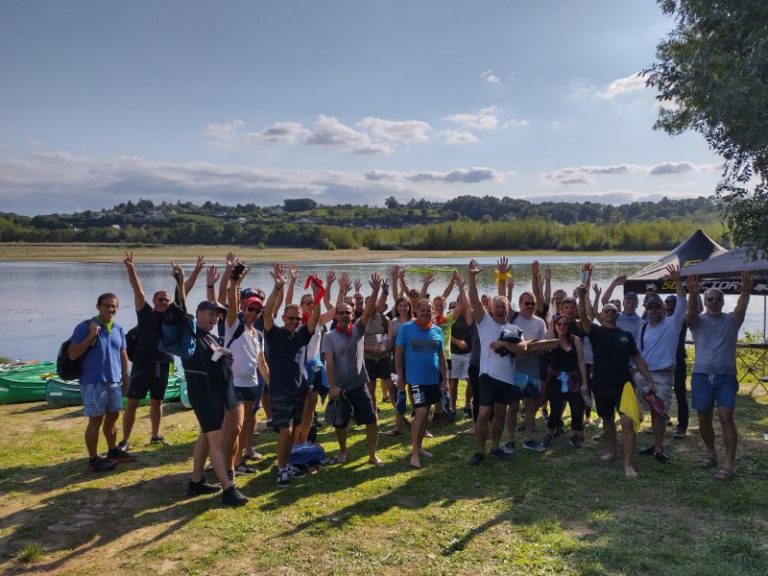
(102, 361)
(421, 353)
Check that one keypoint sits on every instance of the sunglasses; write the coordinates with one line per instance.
(528, 303)
(344, 313)
(610, 311)
(715, 300)
(253, 309)
(292, 318)
(562, 324)
(308, 302)
(654, 306)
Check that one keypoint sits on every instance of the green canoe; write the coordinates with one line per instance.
(60, 392)
(24, 382)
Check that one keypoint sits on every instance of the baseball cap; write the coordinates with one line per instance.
(211, 305)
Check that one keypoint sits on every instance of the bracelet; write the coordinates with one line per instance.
(209, 285)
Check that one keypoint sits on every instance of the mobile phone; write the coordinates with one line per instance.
(237, 271)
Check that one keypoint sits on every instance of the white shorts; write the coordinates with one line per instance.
(460, 366)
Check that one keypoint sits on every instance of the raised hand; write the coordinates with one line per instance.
(747, 282)
(294, 272)
(177, 272)
(597, 289)
(548, 274)
(620, 280)
(503, 264)
(474, 268)
(128, 260)
(674, 272)
(200, 264)
(395, 271)
(375, 282)
(277, 273)
(358, 284)
(429, 278)
(212, 276)
(344, 283)
(230, 260)
(692, 284)
(330, 277)
(458, 280)
(580, 291)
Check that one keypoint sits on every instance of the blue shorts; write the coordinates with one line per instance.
(529, 386)
(101, 398)
(710, 389)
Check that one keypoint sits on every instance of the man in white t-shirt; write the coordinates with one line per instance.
(499, 341)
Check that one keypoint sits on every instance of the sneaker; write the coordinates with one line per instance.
(500, 454)
(233, 497)
(243, 468)
(477, 458)
(200, 488)
(662, 457)
(574, 441)
(599, 437)
(159, 439)
(124, 445)
(649, 451)
(120, 455)
(533, 445)
(680, 433)
(283, 478)
(296, 472)
(547, 440)
(99, 464)
(509, 448)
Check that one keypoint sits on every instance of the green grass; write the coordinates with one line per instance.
(561, 513)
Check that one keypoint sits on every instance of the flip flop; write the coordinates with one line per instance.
(724, 474)
(708, 462)
(394, 433)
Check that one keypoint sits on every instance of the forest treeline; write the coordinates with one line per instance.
(464, 223)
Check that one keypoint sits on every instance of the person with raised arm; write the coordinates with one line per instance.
(286, 357)
(714, 382)
(151, 367)
(499, 341)
(343, 353)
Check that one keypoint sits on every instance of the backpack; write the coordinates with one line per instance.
(66, 368)
(306, 454)
(177, 333)
(132, 342)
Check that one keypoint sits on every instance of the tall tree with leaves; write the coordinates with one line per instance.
(712, 74)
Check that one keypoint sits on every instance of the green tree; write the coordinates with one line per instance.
(713, 69)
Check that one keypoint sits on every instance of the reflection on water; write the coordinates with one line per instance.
(42, 302)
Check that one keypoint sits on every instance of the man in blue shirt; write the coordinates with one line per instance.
(101, 344)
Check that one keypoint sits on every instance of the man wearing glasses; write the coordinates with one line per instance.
(286, 356)
(658, 345)
(714, 368)
(150, 369)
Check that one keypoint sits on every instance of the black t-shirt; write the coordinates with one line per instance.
(286, 356)
(461, 331)
(201, 368)
(612, 349)
(149, 336)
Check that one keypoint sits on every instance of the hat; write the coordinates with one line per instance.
(631, 296)
(211, 305)
(652, 298)
(253, 300)
(671, 298)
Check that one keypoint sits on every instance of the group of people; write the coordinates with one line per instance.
(551, 350)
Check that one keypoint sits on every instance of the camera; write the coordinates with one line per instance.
(237, 271)
(510, 336)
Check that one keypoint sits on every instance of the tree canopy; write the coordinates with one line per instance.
(712, 74)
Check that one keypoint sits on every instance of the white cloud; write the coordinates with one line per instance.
(575, 175)
(458, 137)
(395, 131)
(490, 76)
(329, 132)
(47, 182)
(622, 86)
(613, 197)
(485, 119)
(224, 134)
(279, 132)
(513, 123)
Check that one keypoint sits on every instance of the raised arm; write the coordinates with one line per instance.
(330, 278)
(313, 319)
(449, 288)
(139, 299)
(233, 296)
(618, 281)
(594, 307)
(463, 308)
(740, 312)
(476, 306)
(269, 306)
(428, 279)
(344, 287)
(692, 283)
(231, 261)
(178, 275)
(395, 282)
(211, 277)
(586, 323)
(190, 282)
(375, 284)
(293, 275)
(547, 290)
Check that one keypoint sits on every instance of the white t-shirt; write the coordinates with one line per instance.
(493, 364)
(245, 349)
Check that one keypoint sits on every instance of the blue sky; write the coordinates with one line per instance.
(342, 101)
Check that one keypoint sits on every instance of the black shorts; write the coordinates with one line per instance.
(210, 402)
(381, 368)
(425, 395)
(607, 401)
(494, 391)
(149, 377)
(246, 393)
(362, 405)
(287, 408)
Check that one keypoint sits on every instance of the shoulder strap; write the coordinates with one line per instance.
(642, 334)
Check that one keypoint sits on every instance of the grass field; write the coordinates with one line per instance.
(561, 513)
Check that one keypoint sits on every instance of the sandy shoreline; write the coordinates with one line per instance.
(114, 253)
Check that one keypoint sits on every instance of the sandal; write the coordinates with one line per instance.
(394, 432)
(724, 474)
(708, 462)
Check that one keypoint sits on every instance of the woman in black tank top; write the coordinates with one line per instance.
(566, 376)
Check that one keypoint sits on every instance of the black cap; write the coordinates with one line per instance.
(210, 305)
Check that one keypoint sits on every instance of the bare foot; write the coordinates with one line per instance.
(608, 456)
(415, 462)
(341, 457)
(630, 472)
(375, 460)
(426, 454)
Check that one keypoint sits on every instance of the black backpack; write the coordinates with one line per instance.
(132, 342)
(66, 368)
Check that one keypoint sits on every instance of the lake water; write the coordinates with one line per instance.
(42, 302)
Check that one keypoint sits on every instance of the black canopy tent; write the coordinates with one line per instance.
(653, 278)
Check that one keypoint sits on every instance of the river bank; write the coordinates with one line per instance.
(163, 253)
